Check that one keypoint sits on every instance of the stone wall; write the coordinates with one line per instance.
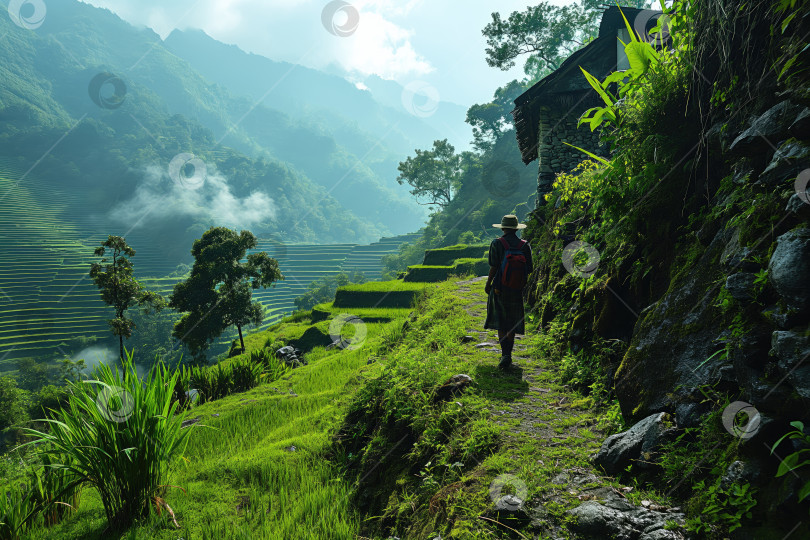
(558, 125)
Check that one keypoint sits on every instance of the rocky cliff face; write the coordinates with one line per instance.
(715, 335)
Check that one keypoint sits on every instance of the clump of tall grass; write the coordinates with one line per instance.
(17, 508)
(272, 367)
(54, 491)
(216, 382)
(120, 435)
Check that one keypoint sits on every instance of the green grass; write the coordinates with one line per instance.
(383, 286)
(368, 415)
(240, 479)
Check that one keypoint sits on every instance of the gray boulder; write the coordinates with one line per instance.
(637, 445)
(797, 205)
(789, 268)
(736, 256)
(800, 128)
(770, 125)
(613, 516)
(291, 356)
(792, 351)
(453, 386)
(741, 286)
(787, 162)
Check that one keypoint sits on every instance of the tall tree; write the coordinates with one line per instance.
(433, 174)
(217, 293)
(119, 288)
(491, 120)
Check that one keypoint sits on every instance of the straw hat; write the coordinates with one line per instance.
(509, 221)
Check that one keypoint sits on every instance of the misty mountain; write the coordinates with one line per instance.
(354, 116)
(99, 111)
(48, 73)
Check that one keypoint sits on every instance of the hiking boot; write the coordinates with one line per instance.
(505, 362)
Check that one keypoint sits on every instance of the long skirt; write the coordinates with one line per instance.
(505, 311)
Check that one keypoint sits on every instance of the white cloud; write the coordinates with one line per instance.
(404, 40)
(159, 197)
(380, 47)
(95, 355)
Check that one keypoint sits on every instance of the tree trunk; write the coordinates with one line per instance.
(121, 348)
(241, 339)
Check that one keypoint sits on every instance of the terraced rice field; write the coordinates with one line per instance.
(47, 298)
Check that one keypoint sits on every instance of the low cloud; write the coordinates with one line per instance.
(95, 355)
(209, 200)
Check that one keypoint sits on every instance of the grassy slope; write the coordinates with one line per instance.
(242, 480)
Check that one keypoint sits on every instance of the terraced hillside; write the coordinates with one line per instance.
(48, 302)
(439, 264)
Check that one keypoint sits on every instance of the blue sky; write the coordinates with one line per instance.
(437, 41)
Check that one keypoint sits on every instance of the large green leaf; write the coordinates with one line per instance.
(804, 492)
(640, 55)
(596, 85)
(602, 160)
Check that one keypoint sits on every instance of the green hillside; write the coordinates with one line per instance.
(48, 305)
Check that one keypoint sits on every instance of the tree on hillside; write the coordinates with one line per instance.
(491, 120)
(548, 34)
(119, 288)
(217, 293)
(433, 174)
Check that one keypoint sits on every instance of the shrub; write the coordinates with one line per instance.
(211, 383)
(120, 435)
(16, 508)
(14, 403)
(245, 374)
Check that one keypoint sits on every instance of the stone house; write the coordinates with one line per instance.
(546, 114)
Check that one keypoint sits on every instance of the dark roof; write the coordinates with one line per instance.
(566, 86)
(612, 19)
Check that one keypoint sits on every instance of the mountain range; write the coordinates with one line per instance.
(96, 107)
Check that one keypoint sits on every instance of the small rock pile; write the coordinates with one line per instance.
(291, 356)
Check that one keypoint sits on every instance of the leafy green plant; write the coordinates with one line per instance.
(722, 508)
(641, 55)
(120, 435)
(760, 281)
(797, 459)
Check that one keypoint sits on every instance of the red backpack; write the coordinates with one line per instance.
(514, 272)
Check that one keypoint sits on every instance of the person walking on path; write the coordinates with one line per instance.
(510, 263)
